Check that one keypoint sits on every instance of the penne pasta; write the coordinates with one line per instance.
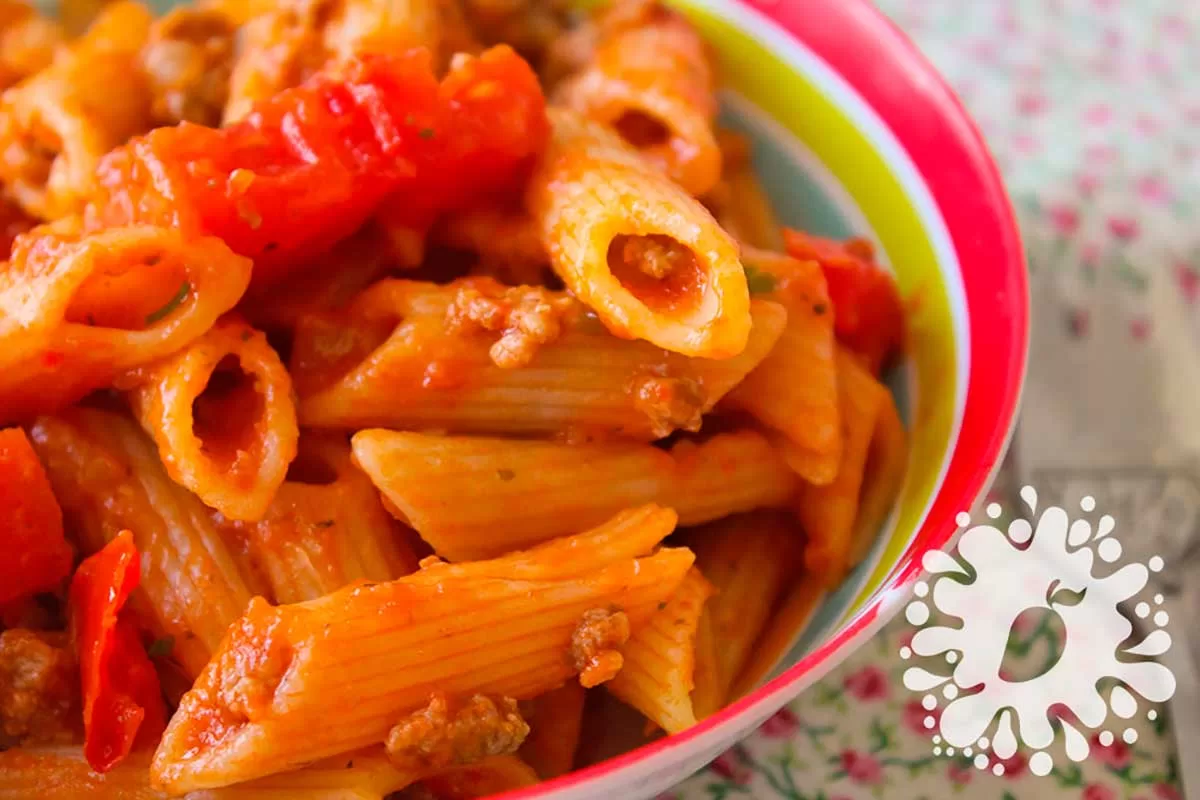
(528, 492)
(56, 124)
(887, 463)
(413, 355)
(514, 627)
(555, 724)
(636, 248)
(28, 41)
(108, 477)
(749, 560)
(187, 61)
(708, 696)
(794, 391)
(789, 620)
(77, 311)
(651, 80)
(325, 528)
(492, 776)
(283, 46)
(828, 513)
(657, 677)
(62, 773)
(739, 201)
(221, 413)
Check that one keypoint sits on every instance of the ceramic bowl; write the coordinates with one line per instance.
(856, 134)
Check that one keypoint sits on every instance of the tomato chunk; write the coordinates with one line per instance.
(35, 557)
(122, 700)
(310, 165)
(868, 314)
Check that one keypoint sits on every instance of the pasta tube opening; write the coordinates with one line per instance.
(645, 255)
(222, 416)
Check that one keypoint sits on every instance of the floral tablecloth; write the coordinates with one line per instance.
(1092, 109)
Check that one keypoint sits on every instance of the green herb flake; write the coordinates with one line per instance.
(662, 605)
(426, 133)
(759, 282)
(171, 305)
(819, 309)
(506, 474)
(161, 648)
(246, 336)
(325, 523)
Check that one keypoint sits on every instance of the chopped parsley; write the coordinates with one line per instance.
(171, 304)
(506, 474)
(325, 523)
(819, 309)
(759, 282)
(426, 133)
(161, 648)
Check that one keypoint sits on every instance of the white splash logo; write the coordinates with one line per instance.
(1012, 572)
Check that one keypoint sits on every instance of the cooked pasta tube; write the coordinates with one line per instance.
(75, 312)
(425, 479)
(378, 651)
(325, 527)
(708, 695)
(783, 629)
(478, 357)
(221, 413)
(283, 46)
(555, 722)
(187, 61)
(749, 559)
(55, 125)
(63, 773)
(492, 776)
(794, 390)
(739, 201)
(650, 79)
(828, 513)
(657, 676)
(108, 477)
(506, 242)
(28, 41)
(635, 247)
(887, 464)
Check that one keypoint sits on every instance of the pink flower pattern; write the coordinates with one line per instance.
(1090, 110)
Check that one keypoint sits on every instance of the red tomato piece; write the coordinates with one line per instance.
(36, 557)
(122, 700)
(310, 165)
(868, 316)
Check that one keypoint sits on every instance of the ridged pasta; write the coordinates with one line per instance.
(794, 391)
(739, 202)
(62, 773)
(887, 463)
(527, 492)
(28, 41)
(657, 677)
(635, 247)
(287, 43)
(789, 620)
(108, 477)
(408, 367)
(828, 513)
(325, 528)
(749, 559)
(651, 80)
(75, 312)
(377, 651)
(56, 124)
(555, 724)
(221, 413)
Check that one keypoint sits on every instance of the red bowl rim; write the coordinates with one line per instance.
(949, 152)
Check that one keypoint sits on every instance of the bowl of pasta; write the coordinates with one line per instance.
(454, 398)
